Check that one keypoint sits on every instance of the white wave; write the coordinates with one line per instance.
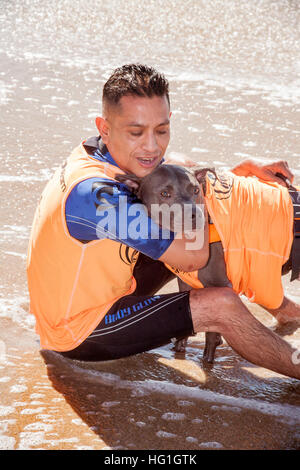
(14, 253)
(16, 309)
(23, 178)
(277, 93)
(290, 413)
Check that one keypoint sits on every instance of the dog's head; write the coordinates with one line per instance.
(170, 186)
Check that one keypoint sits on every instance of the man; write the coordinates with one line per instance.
(92, 288)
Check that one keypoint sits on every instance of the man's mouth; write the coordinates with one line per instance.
(147, 162)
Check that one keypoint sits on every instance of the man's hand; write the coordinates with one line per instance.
(265, 172)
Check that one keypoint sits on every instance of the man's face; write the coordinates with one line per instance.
(137, 132)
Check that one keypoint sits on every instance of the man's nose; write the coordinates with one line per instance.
(150, 142)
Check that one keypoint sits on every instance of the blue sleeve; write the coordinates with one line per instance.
(101, 208)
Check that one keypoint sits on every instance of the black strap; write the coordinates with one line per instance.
(295, 251)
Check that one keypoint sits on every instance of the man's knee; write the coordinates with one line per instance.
(213, 308)
(227, 297)
(223, 297)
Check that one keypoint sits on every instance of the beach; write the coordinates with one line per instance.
(234, 75)
(153, 401)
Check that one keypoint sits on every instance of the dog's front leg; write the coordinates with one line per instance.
(180, 343)
(212, 340)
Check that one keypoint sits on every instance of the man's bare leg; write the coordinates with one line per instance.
(220, 309)
(288, 312)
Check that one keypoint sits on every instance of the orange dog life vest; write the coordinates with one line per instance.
(254, 220)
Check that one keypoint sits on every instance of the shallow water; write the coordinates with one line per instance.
(234, 72)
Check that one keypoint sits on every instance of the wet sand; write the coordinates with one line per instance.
(234, 80)
(160, 400)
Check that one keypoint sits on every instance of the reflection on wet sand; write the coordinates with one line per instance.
(156, 400)
(174, 406)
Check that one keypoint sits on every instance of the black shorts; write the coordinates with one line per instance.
(140, 321)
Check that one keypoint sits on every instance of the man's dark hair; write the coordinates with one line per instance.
(136, 80)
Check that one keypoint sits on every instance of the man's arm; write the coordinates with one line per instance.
(288, 311)
(189, 252)
(93, 211)
(249, 167)
(178, 255)
(99, 208)
(266, 172)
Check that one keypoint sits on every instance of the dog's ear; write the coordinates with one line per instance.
(132, 181)
(200, 173)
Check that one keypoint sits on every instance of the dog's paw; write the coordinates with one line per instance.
(180, 345)
(283, 319)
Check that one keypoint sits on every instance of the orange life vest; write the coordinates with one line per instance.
(254, 220)
(70, 292)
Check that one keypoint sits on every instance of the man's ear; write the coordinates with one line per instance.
(133, 182)
(103, 128)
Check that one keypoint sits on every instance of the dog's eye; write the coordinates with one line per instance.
(165, 194)
(196, 190)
